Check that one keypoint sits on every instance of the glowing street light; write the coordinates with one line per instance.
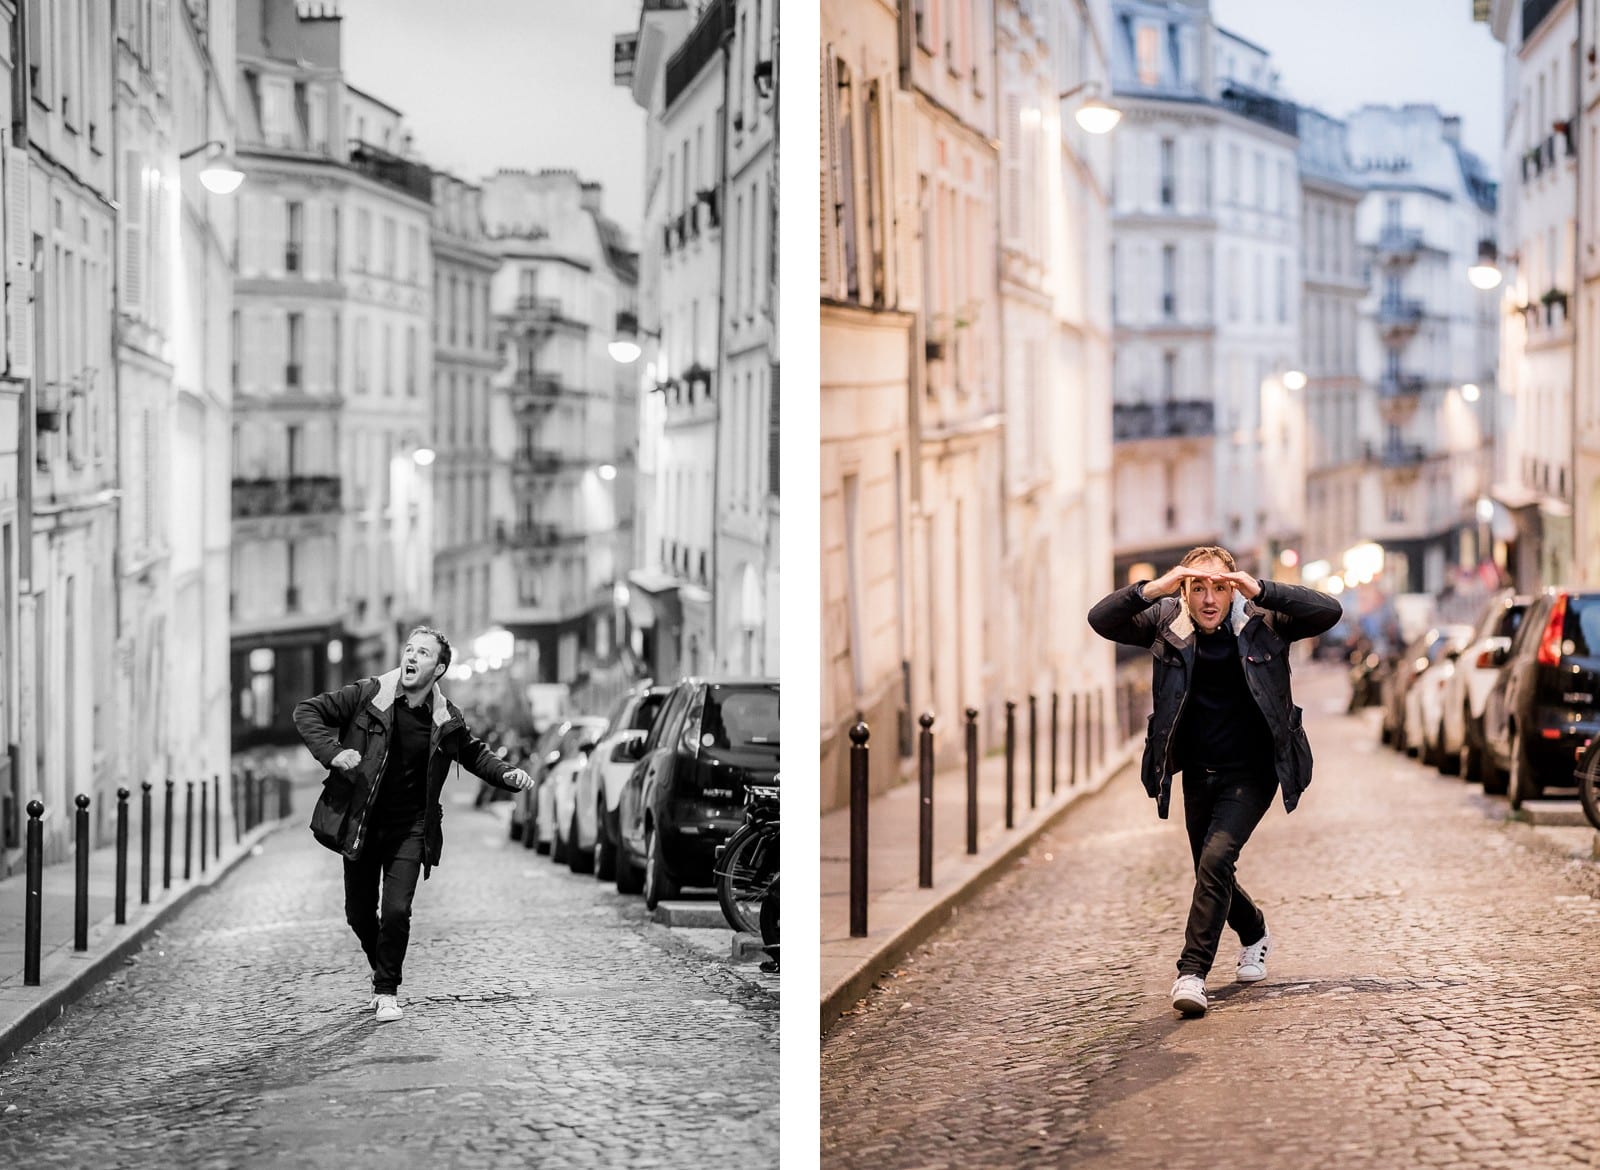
(1294, 380)
(1469, 392)
(1094, 114)
(623, 351)
(221, 174)
(1485, 274)
(607, 472)
(422, 456)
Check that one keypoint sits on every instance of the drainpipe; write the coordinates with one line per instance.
(726, 45)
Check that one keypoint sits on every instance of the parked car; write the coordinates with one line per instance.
(592, 825)
(1423, 695)
(1419, 654)
(1460, 732)
(584, 730)
(1543, 706)
(547, 743)
(685, 796)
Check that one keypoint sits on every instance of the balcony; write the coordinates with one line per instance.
(536, 389)
(1398, 315)
(698, 50)
(1183, 419)
(391, 170)
(1401, 385)
(538, 537)
(295, 495)
(1260, 107)
(1396, 456)
(543, 461)
(1398, 245)
(546, 313)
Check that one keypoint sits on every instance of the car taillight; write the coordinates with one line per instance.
(1550, 641)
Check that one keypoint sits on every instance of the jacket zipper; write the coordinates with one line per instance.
(372, 796)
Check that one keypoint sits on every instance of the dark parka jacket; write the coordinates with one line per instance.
(1264, 627)
(361, 716)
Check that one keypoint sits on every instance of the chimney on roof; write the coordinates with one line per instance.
(589, 200)
(1452, 129)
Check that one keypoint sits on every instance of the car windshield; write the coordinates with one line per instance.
(740, 720)
(645, 714)
(1582, 627)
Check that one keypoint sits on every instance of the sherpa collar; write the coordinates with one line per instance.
(389, 687)
(1182, 627)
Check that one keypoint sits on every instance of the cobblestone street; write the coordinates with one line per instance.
(1431, 998)
(548, 1022)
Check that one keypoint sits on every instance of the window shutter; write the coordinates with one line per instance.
(905, 251)
(19, 266)
(772, 431)
(1014, 148)
(311, 245)
(832, 261)
(275, 234)
(133, 243)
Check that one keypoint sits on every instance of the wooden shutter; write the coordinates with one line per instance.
(904, 249)
(832, 271)
(19, 266)
(133, 242)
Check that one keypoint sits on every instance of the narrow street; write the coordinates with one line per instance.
(1430, 999)
(548, 1021)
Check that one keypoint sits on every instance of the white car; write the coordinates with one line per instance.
(1423, 702)
(555, 794)
(541, 834)
(1460, 733)
(592, 829)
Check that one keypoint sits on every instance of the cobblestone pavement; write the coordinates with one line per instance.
(548, 1022)
(1431, 1000)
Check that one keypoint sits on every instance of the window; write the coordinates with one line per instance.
(363, 240)
(845, 153)
(294, 241)
(291, 372)
(1169, 281)
(1168, 178)
(1149, 54)
(1169, 376)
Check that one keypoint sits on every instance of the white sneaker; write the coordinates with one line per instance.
(1253, 960)
(1189, 995)
(388, 1009)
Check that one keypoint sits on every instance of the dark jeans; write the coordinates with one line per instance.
(392, 853)
(1221, 808)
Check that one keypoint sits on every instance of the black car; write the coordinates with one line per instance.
(685, 796)
(1542, 708)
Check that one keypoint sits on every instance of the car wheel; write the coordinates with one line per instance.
(516, 826)
(1589, 789)
(578, 860)
(658, 883)
(530, 826)
(558, 845)
(630, 878)
(1449, 763)
(1523, 784)
(605, 853)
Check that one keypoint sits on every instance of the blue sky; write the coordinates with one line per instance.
(1340, 56)
(485, 84)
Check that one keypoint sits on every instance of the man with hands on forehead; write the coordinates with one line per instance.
(1224, 717)
(388, 743)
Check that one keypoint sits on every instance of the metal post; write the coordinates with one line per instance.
(1072, 744)
(1033, 751)
(925, 819)
(1011, 764)
(216, 815)
(122, 856)
(972, 779)
(188, 830)
(1055, 737)
(34, 895)
(80, 886)
(1099, 726)
(205, 816)
(166, 845)
(233, 790)
(145, 817)
(859, 735)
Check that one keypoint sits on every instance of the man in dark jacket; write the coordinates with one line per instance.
(1224, 717)
(380, 805)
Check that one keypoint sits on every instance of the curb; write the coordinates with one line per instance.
(17, 1032)
(945, 905)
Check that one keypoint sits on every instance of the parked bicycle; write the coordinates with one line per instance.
(747, 866)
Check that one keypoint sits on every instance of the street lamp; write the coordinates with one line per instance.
(624, 351)
(1294, 380)
(221, 174)
(1094, 114)
(422, 456)
(607, 472)
(1485, 274)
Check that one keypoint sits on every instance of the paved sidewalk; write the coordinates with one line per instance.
(900, 914)
(66, 974)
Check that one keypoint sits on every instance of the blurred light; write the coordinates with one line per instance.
(221, 176)
(1469, 392)
(1316, 570)
(1334, 585)
(261, 660)
(335, 651)
(497, 643)
(1288, 558)
(607, 472)
(1484, 276)
(423, 456)
(1098, 118)
(1485, 509)
(1294, 380)
(625, 352)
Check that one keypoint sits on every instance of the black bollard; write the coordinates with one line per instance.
(1099, 726)
(859, 735)
(205, 812)
(34, 896)
(1072, 745)
(122, 856)
(80, 887)
(145, 817)
(1055, 737)
(188, 830)
(216, 816)
(972, 779)
(1011, 764)
(233, 790)
(925, 819)
(166, 845)
(1033, 751)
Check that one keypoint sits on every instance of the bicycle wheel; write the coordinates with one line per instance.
(740, 881)
(1589, 788)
